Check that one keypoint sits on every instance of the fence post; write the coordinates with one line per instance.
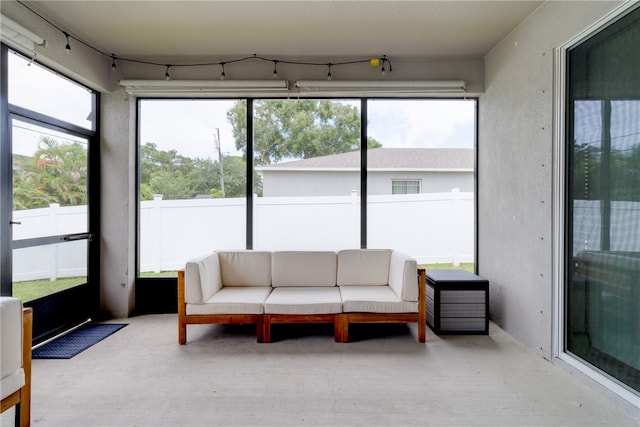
(455, 208)
(156, 215)
(53, 223)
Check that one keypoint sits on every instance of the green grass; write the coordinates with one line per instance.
(469, 266)
(32, 289)
(173, 273)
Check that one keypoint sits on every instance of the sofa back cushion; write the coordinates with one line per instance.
(245, 268)
(363, 267)
(202, 278)
(303, 268)
(403, 276)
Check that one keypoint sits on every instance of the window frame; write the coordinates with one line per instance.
(158, 295)
(405, 185)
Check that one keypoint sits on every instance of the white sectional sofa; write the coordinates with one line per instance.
(15, 358)
(263, 288)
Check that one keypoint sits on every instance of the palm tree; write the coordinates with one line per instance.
(56, 173)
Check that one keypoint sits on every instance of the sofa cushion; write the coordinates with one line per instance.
(403, 276)
(11, 335)
(303, 268)
(363, 267)
(304, 300)
(12, 383)
(202, 278)
(245, 268)
(233, 300)
(374, 299)
(12, 375)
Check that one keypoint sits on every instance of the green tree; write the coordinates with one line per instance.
(56, 173)
(235, 172)
(586, 172)
(179, 177)
(623, 182)
(625, 174)
(297, 129)
(171, 186)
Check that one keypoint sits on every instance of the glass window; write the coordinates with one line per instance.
(405, 186)
(192, 182)
(603, 201)
(36, 88)
(42, 270)
(50, 195)
(425, 148)
(50, 170)
(307, 184)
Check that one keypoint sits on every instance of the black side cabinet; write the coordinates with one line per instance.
(457, 302)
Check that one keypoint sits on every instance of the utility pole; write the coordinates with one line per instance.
(217, 136)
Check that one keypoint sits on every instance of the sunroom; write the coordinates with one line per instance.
(543, 95)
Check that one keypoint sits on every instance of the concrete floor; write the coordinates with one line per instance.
(140, 376)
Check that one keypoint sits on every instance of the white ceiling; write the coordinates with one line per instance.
(322, 29)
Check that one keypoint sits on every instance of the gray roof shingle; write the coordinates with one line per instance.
(388, 158)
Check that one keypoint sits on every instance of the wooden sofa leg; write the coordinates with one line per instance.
(422, 331)
(266, 328)
(260, 329)
(342, 328)
(337, 328)
(182, 332)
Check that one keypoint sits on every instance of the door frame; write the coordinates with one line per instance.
(65, 309)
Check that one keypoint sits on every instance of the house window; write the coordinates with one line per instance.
(602, 251)
(405, 186)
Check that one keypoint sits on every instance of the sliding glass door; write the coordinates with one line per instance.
(603, 201)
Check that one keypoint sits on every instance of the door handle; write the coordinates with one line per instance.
(15, 222)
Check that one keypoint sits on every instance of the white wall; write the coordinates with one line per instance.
(332, 183)
(516, 168)
(432, 182)
(306, 183)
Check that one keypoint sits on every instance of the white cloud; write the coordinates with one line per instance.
(187, 126)
(422, 123)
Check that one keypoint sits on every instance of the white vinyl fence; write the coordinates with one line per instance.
(68, 259)
(436, 227)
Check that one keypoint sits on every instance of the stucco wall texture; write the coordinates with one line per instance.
(515, 170)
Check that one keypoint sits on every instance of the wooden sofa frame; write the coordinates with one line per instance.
(21, 398)
(341, 321)
(185, 319)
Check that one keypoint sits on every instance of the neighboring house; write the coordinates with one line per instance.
(389, 171)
